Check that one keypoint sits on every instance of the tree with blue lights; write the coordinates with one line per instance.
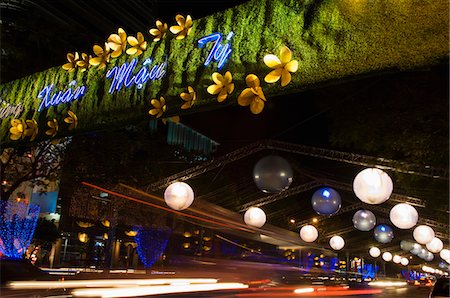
(151, 243)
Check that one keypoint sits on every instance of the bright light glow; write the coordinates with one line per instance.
(435, 245)
(255, 217)
(315, 220)
(387, 283)
(179, 195)
(155, 290)
(404, 216)
(404, 261)
(326, 193)
(397, 259)
(309, 233)
(89, 283)
(423, 234)
(303, 290)
(387, 256)
(374, 252)
(372, 186)
(445, 254)
(337, 242)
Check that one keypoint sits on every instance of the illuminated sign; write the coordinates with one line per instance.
(7, 109)
(219, 52)
(123, 75)
(49, 100)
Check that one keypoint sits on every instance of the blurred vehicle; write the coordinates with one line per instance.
(441, 288)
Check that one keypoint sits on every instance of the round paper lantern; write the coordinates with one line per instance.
(387, 256)
(364, 220)
(406, 245)
(383, 233)
(429, 257)
(423, 234)
(337, 242)
(372, 186)
(417, 248)
(374, 252)
(445, 254)
(403, 216)
(255, 217)
(326, 201)
(435, 245)
(179, 195)
(404, 261)
(397, 259)
(423, 253)
(309, 233)
(272, 174)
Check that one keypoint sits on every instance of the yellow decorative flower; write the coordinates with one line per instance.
(53, 128)
(131, 233)
(174, 119)
(72, 119)
(72, 58)
(106, 223)
(160, 107)
(102, 56)
(282, 67)
(32, 129)
(223, 85)
(183, 28)
(83, 62)
(159, 31)
(253, 95)
(17, 129)
(138, 45)
(84, 224)
(118, 43)
(189, 98)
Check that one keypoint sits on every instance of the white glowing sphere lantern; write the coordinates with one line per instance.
(435, 245)
(309, 233)
(272, 174)
(404, 261)
(404, 216)
(179, 195)
(364, 220)
(397, 259)
(445, 254)
(374, 252)
(423, 234)
(387, 256)
(372, 186)
(429, 257)
(255, 217)
(337, 242)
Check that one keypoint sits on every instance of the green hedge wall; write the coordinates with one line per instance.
(332, 40)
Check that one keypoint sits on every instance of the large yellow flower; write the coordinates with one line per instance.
(118, 43)
(160, 107)
(83, 62)
(253, 95)
(189, 98)
(32, 129)
(102, 56)
(183, 28)
(53, 125)
(17, 129)
(72, 119)
(72, 64)
(138, 45)
(159, 31)
(223, 85)
(282, 67)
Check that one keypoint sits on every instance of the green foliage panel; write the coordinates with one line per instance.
(332, 40)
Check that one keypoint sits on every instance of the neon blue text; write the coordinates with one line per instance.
(59, 97)
(219, 52)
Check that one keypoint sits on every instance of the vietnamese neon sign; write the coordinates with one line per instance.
(219, 52)
(123, 75)
(49, 100)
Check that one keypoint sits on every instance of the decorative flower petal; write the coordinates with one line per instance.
(188, 21)
(95, 60)
(186, 105)
(114, 40)
(176, 29)
(214, 89)
(218, 78)
(98, 50)
(252, 81)
(285, 55)
(140, 37)
(180, 20)
(285, 78)
(227, 78)
(185, 96)
(181, 35)
(222, 95)
(257, 106)
(261, 93)
(132, 51)
(132, 41)
(291, 66)
(274, 75)
(272, 61)
(155, 103)
(155, 32)
(230, 88)
(154, 111)
(246, 97)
